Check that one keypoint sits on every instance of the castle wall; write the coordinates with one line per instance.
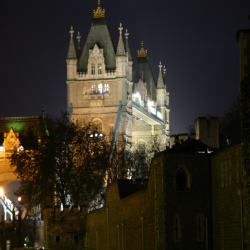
(127, 223)
(227, 180)
(191, 206)
(64, 230)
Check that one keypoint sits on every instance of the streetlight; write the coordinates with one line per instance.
(1, 192)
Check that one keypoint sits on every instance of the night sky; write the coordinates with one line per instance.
(196, 40)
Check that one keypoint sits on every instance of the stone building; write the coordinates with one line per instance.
(99, 76)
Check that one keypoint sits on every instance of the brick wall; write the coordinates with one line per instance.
(227, 174)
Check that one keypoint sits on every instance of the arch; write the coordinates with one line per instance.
(97, 125)
(182, 178)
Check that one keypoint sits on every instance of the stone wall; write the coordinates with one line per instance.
(227, 180)
(187, 210)
(124, 223)
(64, 230)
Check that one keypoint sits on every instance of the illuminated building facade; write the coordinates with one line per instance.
(100, 75)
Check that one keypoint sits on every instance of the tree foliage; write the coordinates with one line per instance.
(65, 167)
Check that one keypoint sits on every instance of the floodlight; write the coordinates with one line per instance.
(1, 192)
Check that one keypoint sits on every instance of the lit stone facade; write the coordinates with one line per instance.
(99, 76)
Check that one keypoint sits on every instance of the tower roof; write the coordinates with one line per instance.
(72, 50)
(142, 65)
(127, 49)
(98, 34)
(160, 83)
(164, 78)
(79, 50)
(120, 48)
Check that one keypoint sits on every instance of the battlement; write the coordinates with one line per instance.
(66, 210)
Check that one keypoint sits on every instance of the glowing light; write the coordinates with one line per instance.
(91, 135)
(1, 148)
(19, 198)
(137, 95)
(101, 135)
(1, 192)
(96, 134)
(21, 148)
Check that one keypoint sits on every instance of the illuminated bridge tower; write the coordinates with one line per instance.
(100, 76)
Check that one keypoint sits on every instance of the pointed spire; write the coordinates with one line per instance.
(72, 50)
(120, 48)
(164, 78)
(127, 49)
(160, 83)
(79, 50)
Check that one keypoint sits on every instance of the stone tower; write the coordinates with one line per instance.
(100, 76)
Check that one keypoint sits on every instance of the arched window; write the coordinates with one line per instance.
(182, 180)
(97, 126)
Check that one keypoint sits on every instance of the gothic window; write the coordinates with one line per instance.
(100, 90)
(106, 88)
(92, 69)
(182, 180)
(93, 89)
(97, 126)
(99, 69)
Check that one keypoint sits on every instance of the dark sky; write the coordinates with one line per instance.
(195, 39)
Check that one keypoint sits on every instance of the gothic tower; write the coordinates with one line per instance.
(100, 77)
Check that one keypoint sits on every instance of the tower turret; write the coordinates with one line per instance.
(121, 58)
(130, 62)
(71, 58)
(160, 91)
(79, 50)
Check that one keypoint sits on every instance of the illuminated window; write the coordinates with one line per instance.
(97, 126)
(100, 91)
(99, 69)
(1, 148)
(7, 244)
(93, 89)
(106, 88)
(92, 69)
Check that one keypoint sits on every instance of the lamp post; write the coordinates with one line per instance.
(19, 219)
